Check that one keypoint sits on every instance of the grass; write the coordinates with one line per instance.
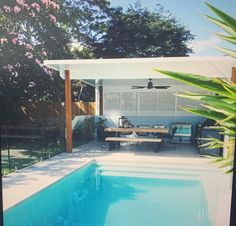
(25, 154)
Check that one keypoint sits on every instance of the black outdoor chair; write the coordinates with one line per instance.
(169, 136)
(143, 134)
(158, 135)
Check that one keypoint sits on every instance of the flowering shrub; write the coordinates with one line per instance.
(27, 29)
(19, 24)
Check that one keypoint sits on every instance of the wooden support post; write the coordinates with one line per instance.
(68, 111)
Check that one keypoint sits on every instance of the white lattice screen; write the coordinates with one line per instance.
(141, 103)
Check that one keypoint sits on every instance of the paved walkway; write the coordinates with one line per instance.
(22, 184)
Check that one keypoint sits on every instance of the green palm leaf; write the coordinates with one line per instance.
(227, 38)
(212, 115)
(220, 110)
(230, 101)
(211, 100)
(212, 85)
(232, 116)
(227, 163)
(228, 52)
(222, 25)
(228, 20)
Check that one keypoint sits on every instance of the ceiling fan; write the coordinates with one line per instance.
(150, 86)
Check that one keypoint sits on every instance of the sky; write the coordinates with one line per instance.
(190, 13)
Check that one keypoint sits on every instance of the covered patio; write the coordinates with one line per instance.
(113, 80)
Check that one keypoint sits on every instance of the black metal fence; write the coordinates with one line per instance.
(25, 143)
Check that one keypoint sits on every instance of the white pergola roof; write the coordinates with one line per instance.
(142, 68)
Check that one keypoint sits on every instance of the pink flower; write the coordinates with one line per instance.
(14, 40)
(20, 2)
(29, 55)
(7, 9)
(53, 18)
(46, 3)
(28, 46)
(32, 14)
(48, 71)
(16, 9)
(37, 61)
(36, 6)
(3, 40)
(54, 5)
(20, 43)
(44, 53)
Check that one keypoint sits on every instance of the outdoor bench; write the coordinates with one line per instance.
(114, 141)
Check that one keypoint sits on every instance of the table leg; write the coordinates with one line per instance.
(158, 147)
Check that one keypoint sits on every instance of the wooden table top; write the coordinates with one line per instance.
(137, 129)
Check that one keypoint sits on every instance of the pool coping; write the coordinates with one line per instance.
(33, 179)
(26, 182)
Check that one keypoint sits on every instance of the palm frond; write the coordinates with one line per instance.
(227, 19)
(228, 52)
(209, 84)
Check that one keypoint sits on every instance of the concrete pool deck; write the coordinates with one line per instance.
(184, 158)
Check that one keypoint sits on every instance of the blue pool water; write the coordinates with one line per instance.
(85, 199)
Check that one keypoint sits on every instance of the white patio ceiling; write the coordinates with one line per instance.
(142, 68)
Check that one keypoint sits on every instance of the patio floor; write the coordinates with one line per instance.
(174, 150)
(22, 184)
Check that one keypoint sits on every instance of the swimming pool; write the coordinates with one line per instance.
(89, 197)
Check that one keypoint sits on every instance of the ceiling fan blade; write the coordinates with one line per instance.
(138, 87)
(161, 87)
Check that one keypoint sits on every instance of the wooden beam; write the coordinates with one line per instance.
(68, 111)
(233, 77)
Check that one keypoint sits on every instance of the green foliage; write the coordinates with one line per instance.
(27, 30)
(139, 32)
(220, 103)
(32, 31)
(228, 24)
(84, 20)
(224, 95)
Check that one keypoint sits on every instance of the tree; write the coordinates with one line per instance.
(85, 20)
(31, 31)
(220, 105)
(27, 29)
(138, 32)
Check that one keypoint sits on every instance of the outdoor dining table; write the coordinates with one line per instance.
(115, 139)
(136, 129)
